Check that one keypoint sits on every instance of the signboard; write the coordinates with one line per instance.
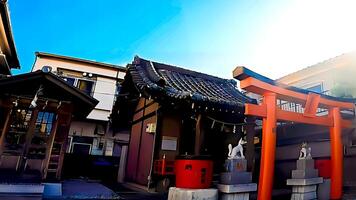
(169, 143)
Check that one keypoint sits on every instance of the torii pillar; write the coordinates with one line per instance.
(270, 113)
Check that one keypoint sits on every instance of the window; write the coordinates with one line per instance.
(81, 145)
(80, 80)
(86, 86)
(81, 148)
(317, 88)
(70, 81)
(117, 91)
(16, 135)
(44, 123)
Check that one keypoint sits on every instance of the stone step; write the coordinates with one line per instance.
(309, 181)
(191, 194)
(21, 189)
(239, 188)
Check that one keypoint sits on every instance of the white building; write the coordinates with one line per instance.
(99, 80)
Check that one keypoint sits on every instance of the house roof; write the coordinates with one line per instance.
(313, 70)
(55, 88)
(157, 79)
(241, 73)
(7, 40)
(50, 55)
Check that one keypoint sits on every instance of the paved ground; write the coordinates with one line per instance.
(81, 189)
(137, 194)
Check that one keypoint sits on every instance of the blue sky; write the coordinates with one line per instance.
(271, 37)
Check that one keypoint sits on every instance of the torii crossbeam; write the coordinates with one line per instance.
(269, 111)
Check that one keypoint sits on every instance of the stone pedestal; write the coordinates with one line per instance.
(236, 182)
(190, 194)
(304, 180)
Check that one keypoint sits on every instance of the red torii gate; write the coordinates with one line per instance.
(270, 113)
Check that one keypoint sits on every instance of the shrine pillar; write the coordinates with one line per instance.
(268, 147)
(336, 153)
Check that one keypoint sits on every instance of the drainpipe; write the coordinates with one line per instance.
(153, 152)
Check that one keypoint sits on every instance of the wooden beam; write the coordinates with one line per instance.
(256, 110)
(29, 135)
(311, 105)
(300, 118)
(250, 146)
(66, 123)
(4, 130)
(50, 141)
(282, 115)
(199, 136)
(259, 87)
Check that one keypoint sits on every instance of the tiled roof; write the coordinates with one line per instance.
(156, 79)
(54, 88)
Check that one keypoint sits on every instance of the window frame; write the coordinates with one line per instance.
(76, 83)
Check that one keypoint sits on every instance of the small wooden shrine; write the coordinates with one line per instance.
(35, 113)
(173, 111)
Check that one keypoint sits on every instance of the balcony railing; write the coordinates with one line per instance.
(299, 108)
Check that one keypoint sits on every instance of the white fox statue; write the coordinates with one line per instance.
(233, 152)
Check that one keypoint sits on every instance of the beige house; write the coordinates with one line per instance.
(8, 55)
(92, 136)
(335, 77)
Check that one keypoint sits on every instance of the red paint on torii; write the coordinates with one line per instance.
(270, 113)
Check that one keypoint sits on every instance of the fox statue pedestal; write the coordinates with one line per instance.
(236, 182)
(305, 178)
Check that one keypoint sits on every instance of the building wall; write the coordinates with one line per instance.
(105, 80)
(141, 146)
(334, 74)
(66, 64)
(171, 127)
(336, 77)
(105, 84)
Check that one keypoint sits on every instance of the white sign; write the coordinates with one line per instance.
(169, 143)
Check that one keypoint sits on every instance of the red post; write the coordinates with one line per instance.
(268, 148)
(336, 155)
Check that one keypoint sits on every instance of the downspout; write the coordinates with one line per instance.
(153, 152)
(113, 103)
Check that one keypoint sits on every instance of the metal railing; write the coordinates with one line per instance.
(299, 108)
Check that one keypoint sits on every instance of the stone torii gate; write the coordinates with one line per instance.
(269, 111)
